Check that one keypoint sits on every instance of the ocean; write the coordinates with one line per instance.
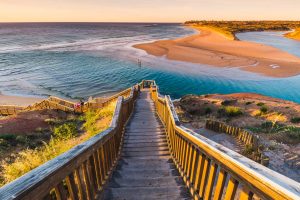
(79, 60)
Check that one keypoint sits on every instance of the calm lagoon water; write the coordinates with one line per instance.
(96, 59)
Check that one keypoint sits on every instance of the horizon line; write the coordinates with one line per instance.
(281, 20)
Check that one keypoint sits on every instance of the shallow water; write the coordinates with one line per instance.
(96, 59)
(272, 38)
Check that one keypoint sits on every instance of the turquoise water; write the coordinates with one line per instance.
(96, 59)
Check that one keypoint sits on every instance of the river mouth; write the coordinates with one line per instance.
(97, 60)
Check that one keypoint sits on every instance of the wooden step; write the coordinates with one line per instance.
(118, 182)
(144, 144)
(145, 193)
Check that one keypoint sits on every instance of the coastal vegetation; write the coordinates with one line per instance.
(246, 113)
(275, 122)
(230, 28)
(294, 34)
(64, 135)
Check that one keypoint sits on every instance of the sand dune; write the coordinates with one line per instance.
(212, 48)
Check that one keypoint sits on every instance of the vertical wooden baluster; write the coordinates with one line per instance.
(101, 164)
(199, 174)
(169, 135)
(72, 188)
(194, 160)
(80, 184)
(174, 142)
(172, 150)
(97, 169)
(104, 160)
(204, 177)
(187, 156)
(183, 153)
(91, 168)
(115, 147)
(220, 185)
(60, 192)
(210, 181)
(88, 186)
(110, 154)
(176, 147)
(189, 162)
(83, 188)
(231, 189)
(113, 156)
(180, 142)
(246, 194)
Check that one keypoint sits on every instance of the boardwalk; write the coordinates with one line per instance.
(146, 170)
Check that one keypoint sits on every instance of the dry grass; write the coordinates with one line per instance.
(223, 32)
(26, 160)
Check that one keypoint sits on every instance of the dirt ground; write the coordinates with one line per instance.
(28, 130)
(31, 122)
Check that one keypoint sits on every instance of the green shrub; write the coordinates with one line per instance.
(267, 125)
(65, 131)
(248, 150)
(208, 110)
(21, 139)
(295, 120)
(233, 111)
(260, 104)
(293, 132)
(3, 143)
(263, 109)
(9, 137)
(228, 102)
(248, 102)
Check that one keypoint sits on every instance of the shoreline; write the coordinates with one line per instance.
(215, 49)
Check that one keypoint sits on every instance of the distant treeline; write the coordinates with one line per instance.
(244, 26)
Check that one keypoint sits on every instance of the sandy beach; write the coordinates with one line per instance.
(212, 48)
(18, 100)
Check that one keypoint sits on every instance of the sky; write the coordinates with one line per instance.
(146, 10)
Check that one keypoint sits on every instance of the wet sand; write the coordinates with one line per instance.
(212, 48)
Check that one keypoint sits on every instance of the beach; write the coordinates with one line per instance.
(18, 100)
(215, 49)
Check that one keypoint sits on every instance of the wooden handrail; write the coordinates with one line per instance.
(81, 172)
(10, 109)
(212, 171)
(62, 101)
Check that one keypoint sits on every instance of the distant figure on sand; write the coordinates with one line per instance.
(139, 63)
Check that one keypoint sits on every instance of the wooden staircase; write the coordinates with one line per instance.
(145, 170)
(140, 159)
